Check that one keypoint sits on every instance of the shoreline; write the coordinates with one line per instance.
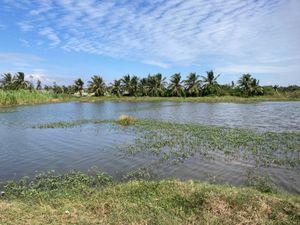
(212, 99)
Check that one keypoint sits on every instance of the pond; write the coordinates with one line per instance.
(26, 151)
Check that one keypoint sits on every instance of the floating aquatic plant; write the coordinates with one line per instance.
(178, 142)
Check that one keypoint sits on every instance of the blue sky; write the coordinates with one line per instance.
(61, 40)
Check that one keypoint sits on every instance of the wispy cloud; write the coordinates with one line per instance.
(2, 27)
(227, 33)
(51, 35)
(155, 63)
(18, 57)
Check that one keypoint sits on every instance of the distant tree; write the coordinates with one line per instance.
(130, 85)
(126, 84)
(116, 88)
(144, 86)
(97, 86)
(249, 86)
(57, 89)
(20, 82)
(193, 85)
(134, 82)
(156, 85)
(38, 85)
(65, 89)
(71, 89)
(7, 81)
(79, 86)
(276, 87)
(46, 88)
(211, 86)
(175, 87)
(256, 88)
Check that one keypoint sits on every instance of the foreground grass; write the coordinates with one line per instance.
(77, 198)
(25, 97)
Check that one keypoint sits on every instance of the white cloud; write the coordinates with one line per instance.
(18, 57)
(158, 64)
(51, 35)
(230, 34)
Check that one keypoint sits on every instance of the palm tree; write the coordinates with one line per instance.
(275, 87)
(20, 82)
(134, 82)
(97, 85)
(144, 86)
(7, 81)
(156, 85)
(38, 85)
(193, 85)
(126, 84)
(116, 88)
(245, 84)
(175, 86)
(249, 86)
(256, 89)
(211, 85)
(79, 86)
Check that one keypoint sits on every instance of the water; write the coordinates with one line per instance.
(25, 151)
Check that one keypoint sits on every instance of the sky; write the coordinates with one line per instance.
(62, 40)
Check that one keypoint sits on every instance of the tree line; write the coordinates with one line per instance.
(153, 85)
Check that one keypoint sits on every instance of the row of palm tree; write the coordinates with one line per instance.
(152, 85)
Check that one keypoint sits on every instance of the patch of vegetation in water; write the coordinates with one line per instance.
(66, 124)
(4, 110)
(178, 142)
(79, 198)
(126, 120)
(260, 182)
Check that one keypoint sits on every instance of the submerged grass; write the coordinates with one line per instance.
(78, 198)
(175, 142)
(178, 142)
(69, 124)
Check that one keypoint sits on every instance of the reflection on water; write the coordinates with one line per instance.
(24, 150)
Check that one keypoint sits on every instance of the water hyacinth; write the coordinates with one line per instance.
(178, 142)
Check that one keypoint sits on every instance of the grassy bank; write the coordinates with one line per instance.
(24, 97)
(208, 99)
(77, 198)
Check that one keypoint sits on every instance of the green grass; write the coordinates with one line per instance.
(69, 124)
(25, 97)
(77, 198)
(208, 99)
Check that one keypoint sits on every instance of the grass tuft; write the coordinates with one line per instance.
(126, 120)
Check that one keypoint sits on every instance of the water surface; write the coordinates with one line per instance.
(24, 150)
